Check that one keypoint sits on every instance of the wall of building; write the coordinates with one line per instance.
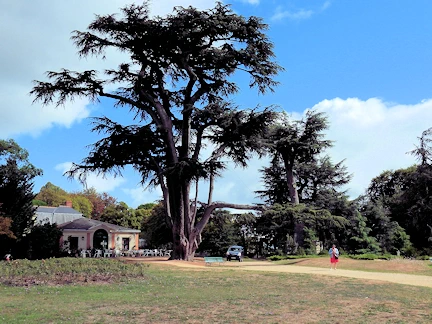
(133, 241)
(115, 240)
(81, 235)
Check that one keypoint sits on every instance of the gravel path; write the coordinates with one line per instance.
(399, 278)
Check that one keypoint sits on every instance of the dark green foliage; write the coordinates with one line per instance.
(16, 196)
(219, 234)
(155, 228)
(292, 143)
(389, 234)
(359, 240)
(286, 226)
(405, 198)
(315, 179)
(120, 214)
(43, 241)
(37, 202)
(365, 256)
(290, 257)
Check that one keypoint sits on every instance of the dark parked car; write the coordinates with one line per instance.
(235, 252)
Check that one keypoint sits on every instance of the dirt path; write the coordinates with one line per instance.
(405, 279)
(399, 278)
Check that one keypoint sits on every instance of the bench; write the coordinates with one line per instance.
(210, 260)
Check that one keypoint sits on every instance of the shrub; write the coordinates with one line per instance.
(277, 257)
(366, 256)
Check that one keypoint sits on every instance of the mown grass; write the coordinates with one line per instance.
(165, 294)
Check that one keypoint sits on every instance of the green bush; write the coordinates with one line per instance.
(277, 257)
(423, 257)
(291, 257)
(366, 256)
(387, 256)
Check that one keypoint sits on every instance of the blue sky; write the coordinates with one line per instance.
(365, 63)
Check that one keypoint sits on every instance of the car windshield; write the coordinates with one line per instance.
(234, 249)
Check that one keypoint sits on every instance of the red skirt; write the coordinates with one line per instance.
(334, 260)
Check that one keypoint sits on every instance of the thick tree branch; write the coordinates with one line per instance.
(210, 208)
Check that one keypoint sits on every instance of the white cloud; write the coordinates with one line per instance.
(373, 135)
(100, 183)
(142, 195)
(35, 38)
(298, 14)
(253, 2)
(293, 15)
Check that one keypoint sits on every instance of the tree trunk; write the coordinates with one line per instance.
(293, 194)
(187, 234)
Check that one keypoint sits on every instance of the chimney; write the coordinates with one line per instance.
(69, 203)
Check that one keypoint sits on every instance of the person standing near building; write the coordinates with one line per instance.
(334, 257)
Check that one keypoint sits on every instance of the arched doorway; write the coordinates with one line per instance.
(98, 237)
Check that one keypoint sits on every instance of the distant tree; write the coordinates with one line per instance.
(219, 234)
(359, 236)
(245, 227)
(313, 178)
(120, 214)
(423, 151)
(43, 241)
(16, 197)
(11, 151)
(388, 233)
(176, 83)
(37, 202)
(405, 196)
(288, 227)
(145, 211)
(99, 201)
(82, 204)
(155, 228)
(53, 195)
(295, 144)
(388, 187)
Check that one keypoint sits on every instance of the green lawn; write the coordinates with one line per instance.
(168, 294)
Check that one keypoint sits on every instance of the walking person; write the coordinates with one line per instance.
(334, 257)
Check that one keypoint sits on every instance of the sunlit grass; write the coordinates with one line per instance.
(166, 294)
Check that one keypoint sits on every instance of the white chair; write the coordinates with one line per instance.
(98, 254)
(168, 253)
(107, 254)
(83, 253)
